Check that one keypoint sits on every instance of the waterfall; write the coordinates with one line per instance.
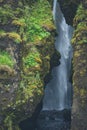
(58, 90)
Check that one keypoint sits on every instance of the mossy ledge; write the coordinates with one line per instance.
(27, 42)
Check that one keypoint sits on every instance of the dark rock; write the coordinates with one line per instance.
(54, 120)
(30, 123)
(69, 9)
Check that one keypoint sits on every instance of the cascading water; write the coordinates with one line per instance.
(56, 112)
(58, 90)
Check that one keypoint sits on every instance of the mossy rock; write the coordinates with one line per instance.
(22, 84)
(6, 72)
(79, 42)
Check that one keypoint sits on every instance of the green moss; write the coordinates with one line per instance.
(19, 22)
(15, 36)
(8, 13)
(34, 22)
(2, 34)
(82, 92)
(30, 25)
(5, 14)
(30, 21)
(80, 63)
(31, 84)
(11, 35)
(80, 15)
(6, 59)
(80, 33)
(8, 123)
(32, 59)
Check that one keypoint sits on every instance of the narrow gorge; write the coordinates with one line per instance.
(43, 64)
(55, 114)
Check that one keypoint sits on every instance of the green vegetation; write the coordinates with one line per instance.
(2, 34)
(11, 35)
(6, 59)
(80, 15)
(32, 22)
(29, 23)
(6, 13)
(30, 85)
(35, 18)
(80, 23)
(14, 36)
(32, 59)
(79, 59)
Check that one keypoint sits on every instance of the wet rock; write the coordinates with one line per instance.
(54, 120)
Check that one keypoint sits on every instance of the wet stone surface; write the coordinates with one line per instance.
(54, 120)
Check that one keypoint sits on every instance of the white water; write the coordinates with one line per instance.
(58, 90)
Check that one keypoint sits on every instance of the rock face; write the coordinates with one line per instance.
(54, 120)
(69, 8)
(79, 41)
(26, 50)
(27, 55)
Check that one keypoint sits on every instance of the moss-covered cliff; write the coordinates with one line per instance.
(27, 55)
(26, 47)
(79, 42)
